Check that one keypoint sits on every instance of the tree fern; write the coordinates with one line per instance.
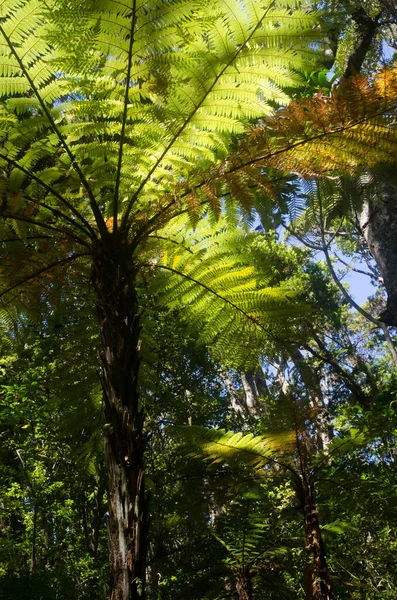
(286, 454)
(247, 534)
(115, 118)
(195, 74)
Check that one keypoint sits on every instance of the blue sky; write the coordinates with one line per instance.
(359, 286)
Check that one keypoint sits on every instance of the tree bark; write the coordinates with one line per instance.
(317, 585)
(254, 385)
(312, 384)
(34, 536)
(378, 223)
(261, 383)
(244, 583)
(113, 278)
(378, 216)
(367, 29)
(235, 401)
(250, 393)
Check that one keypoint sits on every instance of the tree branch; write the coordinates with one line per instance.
(324, 248)
(367, 29)
(349, 381)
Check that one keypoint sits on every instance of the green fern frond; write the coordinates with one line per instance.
(209, 275)
(219, 446)
(196, 76)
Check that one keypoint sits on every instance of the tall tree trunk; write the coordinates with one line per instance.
(235, 400)
(113, 278)
(367, 29)
(254, 384)
(317, 585)
(250, 393)
(244, 583)
(261, 383)
(312, 383)
(378, 222)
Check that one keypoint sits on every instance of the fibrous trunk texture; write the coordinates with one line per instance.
(317, 585)
(113, 278)
(378, 222)
(244, 583)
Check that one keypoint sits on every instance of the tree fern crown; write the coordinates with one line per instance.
(128, 102)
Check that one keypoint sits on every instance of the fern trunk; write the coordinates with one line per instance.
(317, 585)
(244, 583)
(113, 278)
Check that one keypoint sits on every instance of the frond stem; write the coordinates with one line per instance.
(43, 225)
(124, 120)
(28, 237)
(49, 188)
(49, 267)
(213, 292)
(191, 115)
(167, 239)
(60, 214)
(148, 226)
(331, 453)
(266, 458)
(308, 140)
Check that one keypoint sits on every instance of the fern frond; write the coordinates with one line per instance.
(209, 275)
(219, 446)
(353, 127)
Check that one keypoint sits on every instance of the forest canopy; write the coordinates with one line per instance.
(195, 402)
